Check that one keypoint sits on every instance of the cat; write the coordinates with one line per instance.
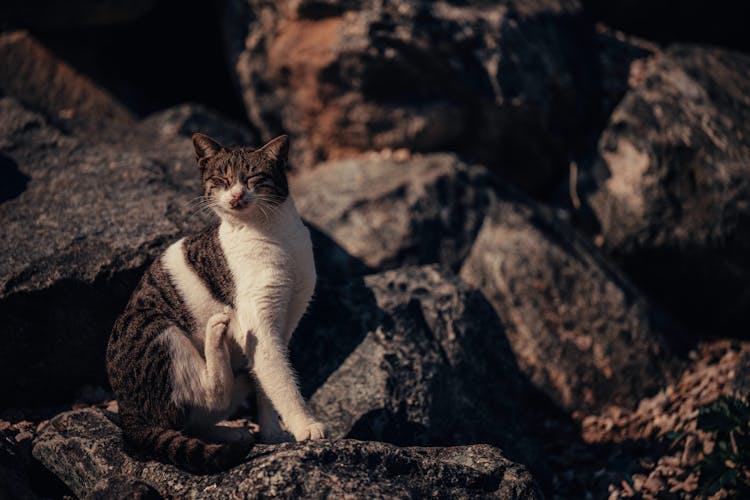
(210, 321)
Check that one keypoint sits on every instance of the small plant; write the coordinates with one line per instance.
(728, 464)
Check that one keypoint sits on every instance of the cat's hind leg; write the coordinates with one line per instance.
(200, 383)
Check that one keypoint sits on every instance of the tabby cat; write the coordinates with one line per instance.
(211, 319)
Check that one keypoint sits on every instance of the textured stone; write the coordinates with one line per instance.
(123, 487)
(83, 447)
(81, 218)
(416, 358)
(49, 85)
(671, 187)
(504, 83)
(389, 213)
(581, 333)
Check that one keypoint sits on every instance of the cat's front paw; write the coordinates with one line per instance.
(312, 431)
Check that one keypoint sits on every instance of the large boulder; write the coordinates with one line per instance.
(671, 186)
(390, 212)
(84, 447)
(416, 358)
(580, 332)
(504, 83)
(81, 218)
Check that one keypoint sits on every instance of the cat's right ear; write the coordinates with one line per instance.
(205, 148)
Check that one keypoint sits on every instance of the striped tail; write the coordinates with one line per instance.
(188, 453)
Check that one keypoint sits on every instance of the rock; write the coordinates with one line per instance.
(622, 59)
(81, 219)
(416, 359)
(186, 119)
(84, 447)
(123, 487)
(671, 186)
(390, 213)
(503, 83)
(580, 332)
(14, 464)
(74, 14)
(21, 476)
(48, 85)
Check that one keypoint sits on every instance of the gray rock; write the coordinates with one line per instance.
(84, 446)
(123, 487)
(82, 216)
(671, 187)
(389, 213)
(504, 83)
(432, 365)
(49, 85)
(581, 333)
(187, 119)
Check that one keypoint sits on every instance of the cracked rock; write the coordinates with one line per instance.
(503, 83)
(84, 447)
(411, 356)
(581, 332)
(671, 186)
(388, 213)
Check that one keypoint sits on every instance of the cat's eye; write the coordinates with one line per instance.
(253, 177)
(219, 181)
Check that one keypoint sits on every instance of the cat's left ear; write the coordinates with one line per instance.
(205, 148)
(277, 150)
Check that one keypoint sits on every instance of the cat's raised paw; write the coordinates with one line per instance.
(313, 432)
(217, 324)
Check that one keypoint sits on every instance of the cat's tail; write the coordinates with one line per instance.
(187, 452)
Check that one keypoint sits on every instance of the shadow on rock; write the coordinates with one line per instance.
(14, 181)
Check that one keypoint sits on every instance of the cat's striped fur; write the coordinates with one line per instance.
(211, 318)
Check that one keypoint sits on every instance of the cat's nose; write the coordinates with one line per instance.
(236, 193)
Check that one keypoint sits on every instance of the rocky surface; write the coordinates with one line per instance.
(432, 365)
(84, 447)
(389, 212)
(15, 454)
(501, 82)
(122, 487)
(671, 187)
(49, 85)
(81, 219)
(670, 419)
(579, 330)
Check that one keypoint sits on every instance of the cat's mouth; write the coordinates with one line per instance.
(238, 204)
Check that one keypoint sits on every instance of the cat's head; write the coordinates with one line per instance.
(242, 182)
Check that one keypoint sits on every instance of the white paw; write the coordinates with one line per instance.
(217, 324)
(313, 431)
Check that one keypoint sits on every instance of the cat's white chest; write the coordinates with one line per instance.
(273, 271)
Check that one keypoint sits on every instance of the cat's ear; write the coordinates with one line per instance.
(205, 147)
(277, 149)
